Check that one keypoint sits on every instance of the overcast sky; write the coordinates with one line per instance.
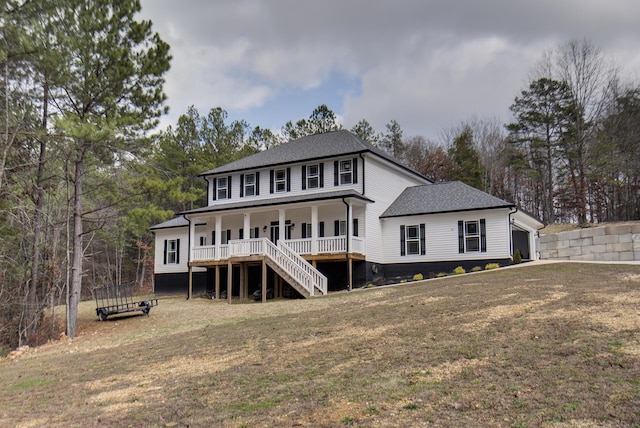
(429, 65)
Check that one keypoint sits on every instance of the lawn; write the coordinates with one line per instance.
(541, 345)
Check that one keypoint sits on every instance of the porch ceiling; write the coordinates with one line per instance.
(285, 200)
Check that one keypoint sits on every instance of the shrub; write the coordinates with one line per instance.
(442, 275)
(418, 277)
(517, 257)
(476, 269)
(459, 270)
(370, 285)
(490, 266)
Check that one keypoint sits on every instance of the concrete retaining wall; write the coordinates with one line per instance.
(602, 243)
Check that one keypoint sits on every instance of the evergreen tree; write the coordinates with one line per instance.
(109, 91)
(465, 156)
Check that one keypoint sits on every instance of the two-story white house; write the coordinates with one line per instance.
(330, 212)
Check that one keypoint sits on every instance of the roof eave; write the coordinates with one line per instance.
(447, 212)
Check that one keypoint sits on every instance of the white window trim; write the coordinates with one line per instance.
(172, 251)
(315, 177)
(250, 186)
(277, 182)
(409, 240)
(345, 171)
(469, 236)
(221, 188)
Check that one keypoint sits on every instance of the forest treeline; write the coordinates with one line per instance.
(84, 172)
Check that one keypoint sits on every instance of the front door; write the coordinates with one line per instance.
(275, 232)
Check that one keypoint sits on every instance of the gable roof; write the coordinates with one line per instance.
(311, 147)
(452, 196)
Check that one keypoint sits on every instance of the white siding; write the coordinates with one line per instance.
(296, 182)
(383, 184)
(441, 232)
(181, 233)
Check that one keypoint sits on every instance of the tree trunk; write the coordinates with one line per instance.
(37, 219)
(75, 288)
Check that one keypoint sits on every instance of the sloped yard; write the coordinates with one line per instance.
(544, 345)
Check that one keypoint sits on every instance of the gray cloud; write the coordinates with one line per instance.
(426, 64)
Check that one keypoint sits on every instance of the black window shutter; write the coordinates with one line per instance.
(257, 184)
(355, 227)
(241, 233)
(321, 231)
(288, 179)
(460, 236)
(165, 251)
(304, 177)
(304, 230)
(256, 232)
(355, 170)
(241, 185)
(335, 173)
(177, 251)
(271, 181)
(215, 189)
(229, 187)
(423, 240)
(336, 228)
(321, 174)
(483, 235)
(402, 241)
(213, 237)
(228, 235)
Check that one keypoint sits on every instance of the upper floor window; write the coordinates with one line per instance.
(222, 188)
(203, 241)
(345, 172)
(472, 236)
(280, 180)
(412, 240)
(250, 184)
(312, 176)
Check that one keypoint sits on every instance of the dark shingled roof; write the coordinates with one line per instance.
(175, 222)
(446, 197)
(318, 146)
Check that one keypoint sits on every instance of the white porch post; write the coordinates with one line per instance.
(314, 229)
(247, 226)
(281, 224)
(218, 236)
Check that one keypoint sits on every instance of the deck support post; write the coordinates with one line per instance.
(217, 279)
(190, 291)
(264, 281)
(350, 270)
(244, 284)
(229, 280)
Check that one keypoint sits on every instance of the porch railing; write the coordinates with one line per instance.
(318, 280)
(284, 256)
(246, 247)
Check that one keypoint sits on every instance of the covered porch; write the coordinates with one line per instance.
(310, 232)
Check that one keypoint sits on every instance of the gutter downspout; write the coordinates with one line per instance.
(189, 268)
(511, 232)
(363, 174)
(347, 244)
